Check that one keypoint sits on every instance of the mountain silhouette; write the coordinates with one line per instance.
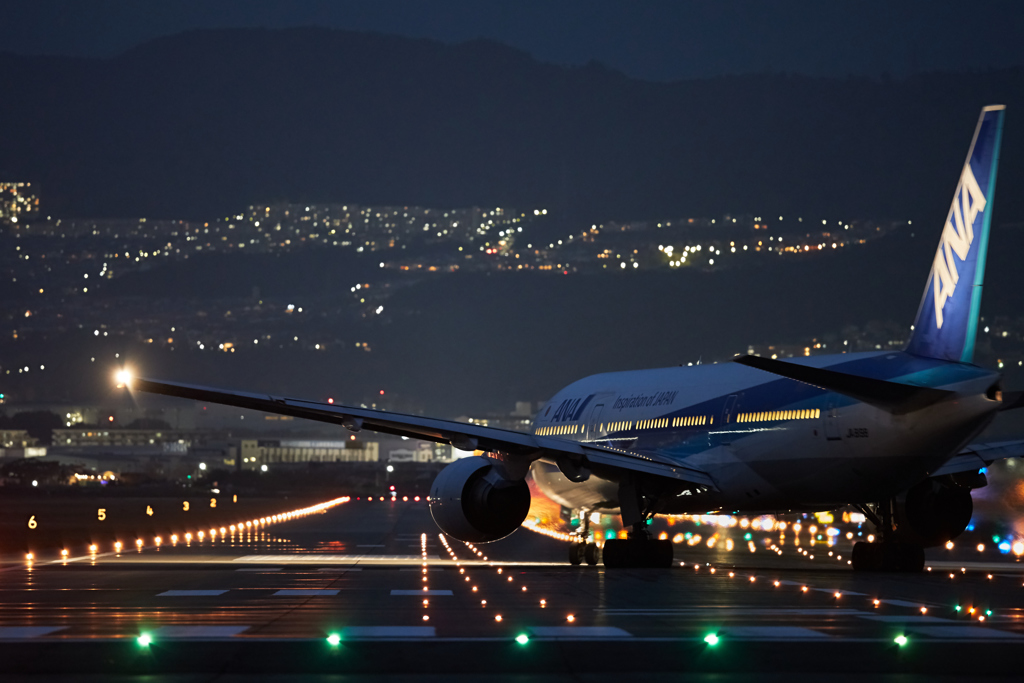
(203, 123)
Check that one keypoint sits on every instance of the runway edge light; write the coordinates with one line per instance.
(522, 639)
(711, 639)
(334, 639)
(145, 640)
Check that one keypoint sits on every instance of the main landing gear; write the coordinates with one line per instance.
(890, 554)
(639, 550)
(582, 549)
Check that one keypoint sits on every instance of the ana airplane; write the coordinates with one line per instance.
(887, 432)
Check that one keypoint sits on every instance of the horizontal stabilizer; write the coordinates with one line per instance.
(1012, 400)
(892, 397)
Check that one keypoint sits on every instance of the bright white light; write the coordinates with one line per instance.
(263, 468)
(124, 376)
(202, 465)
(391, 468)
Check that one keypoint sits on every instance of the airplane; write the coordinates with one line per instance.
(889, 432)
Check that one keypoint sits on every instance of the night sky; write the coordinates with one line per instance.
(658, 40)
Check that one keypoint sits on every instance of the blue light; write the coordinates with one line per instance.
(970, 527)
(983, 470)
(1004, 547)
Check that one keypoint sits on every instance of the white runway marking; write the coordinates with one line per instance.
(20, 632)
(579, 632)
(190, 632)
(388, 632)
(190, 594)
(733, 612)
(958, 632)
(339, 570)
(907, 603)
(420, 592)
(774, 633)
(908, 619)
(304, 592)
(259, 569)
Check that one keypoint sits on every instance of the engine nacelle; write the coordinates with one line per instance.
(472, 501)
(933, 512)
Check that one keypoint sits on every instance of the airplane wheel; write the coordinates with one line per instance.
(591, 553)
(911, 558)
(575, 553)
(635, 552)
(866, 557)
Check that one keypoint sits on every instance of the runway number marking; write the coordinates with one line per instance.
(32, 523)
(101, 514)
(184, 505)
(213, 502)
(149, 510)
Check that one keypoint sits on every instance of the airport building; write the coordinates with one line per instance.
(256, 453)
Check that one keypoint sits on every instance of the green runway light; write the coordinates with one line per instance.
(144, 640)
(522, 639)
(334, 639)
(988, 613)
(957, 608)
(900, 640)
(711, 639)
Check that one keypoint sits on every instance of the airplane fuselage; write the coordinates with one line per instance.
(768, 442)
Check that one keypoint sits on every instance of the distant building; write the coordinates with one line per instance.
(15, 438)
(18, 202)
(256, 453)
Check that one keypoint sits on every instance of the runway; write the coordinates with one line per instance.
(373, 588)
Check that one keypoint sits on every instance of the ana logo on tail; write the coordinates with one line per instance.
(957, 237)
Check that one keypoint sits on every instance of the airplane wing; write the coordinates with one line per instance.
(978, 455)
(466, 437)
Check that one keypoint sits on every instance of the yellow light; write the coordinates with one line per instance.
(123, 377)
(497, 617)
(138, 542)
(949, 545)
(64, 552)
(92, 548)
(570, 618)
(29, 556)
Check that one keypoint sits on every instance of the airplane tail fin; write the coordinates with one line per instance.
(947, 319)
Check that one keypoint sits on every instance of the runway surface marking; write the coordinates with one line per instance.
(202, 632)
(492, 593)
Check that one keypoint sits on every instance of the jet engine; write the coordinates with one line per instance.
(933, 512)
(474, 501)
